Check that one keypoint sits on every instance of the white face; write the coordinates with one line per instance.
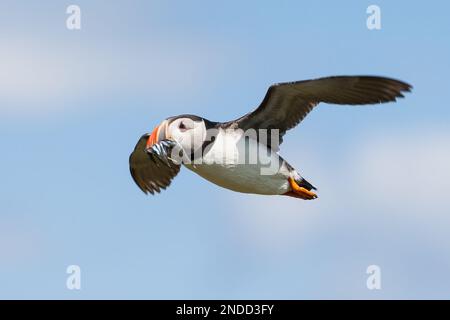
(188, 133)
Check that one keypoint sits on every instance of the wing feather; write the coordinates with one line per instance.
(150, 172)
(286, 104)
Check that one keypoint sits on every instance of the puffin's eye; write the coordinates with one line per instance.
(181, 126)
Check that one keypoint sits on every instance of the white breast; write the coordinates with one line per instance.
(242, 166)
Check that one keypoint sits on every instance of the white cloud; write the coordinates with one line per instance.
(413, 169)
(40, 77)
(20, 242)
(406, 179)
(399, 178)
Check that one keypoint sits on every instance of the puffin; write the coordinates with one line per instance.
(243, 154)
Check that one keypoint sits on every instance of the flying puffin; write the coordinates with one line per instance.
(220, 151)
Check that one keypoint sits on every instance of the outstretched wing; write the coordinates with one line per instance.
(287, 104)
(151, 171)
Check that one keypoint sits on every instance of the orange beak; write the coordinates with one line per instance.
(158, 134)
(153, 137)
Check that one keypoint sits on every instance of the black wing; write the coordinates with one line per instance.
(287, 104)
(151, 172)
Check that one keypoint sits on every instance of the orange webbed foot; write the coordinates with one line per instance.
(300, 192)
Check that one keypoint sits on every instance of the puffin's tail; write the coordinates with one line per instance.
(299, 186)
(302, 182)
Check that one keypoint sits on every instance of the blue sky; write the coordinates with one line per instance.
(74, 103)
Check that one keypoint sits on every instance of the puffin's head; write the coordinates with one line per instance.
(188, 131)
